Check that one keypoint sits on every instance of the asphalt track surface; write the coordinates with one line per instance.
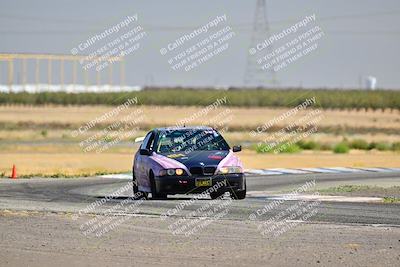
(74, 195)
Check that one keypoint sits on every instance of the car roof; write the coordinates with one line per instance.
(179, 128)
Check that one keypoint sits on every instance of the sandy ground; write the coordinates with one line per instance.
(75, 163)
(43, 223)
(364, 190)
(41, 239)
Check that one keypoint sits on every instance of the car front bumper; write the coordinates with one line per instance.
(187, 184)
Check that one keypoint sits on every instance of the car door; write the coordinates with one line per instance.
(146, 161)
(139, 167)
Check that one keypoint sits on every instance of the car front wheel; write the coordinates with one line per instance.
(135, 189)
(217, 194)
(239, 194)
(154, 193)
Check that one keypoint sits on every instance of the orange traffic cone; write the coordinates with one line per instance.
(14, 172)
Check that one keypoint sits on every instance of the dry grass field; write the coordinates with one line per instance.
(33, 139)
(78, 163)
(170, 115)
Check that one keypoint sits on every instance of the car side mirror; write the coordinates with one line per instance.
(144, 152)
(237, 148)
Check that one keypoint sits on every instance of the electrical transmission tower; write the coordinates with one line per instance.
(254, 75)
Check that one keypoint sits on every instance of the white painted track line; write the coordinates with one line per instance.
(319, 170)
(290, 171)
(313, 197)
(280, 171)
(344, 169)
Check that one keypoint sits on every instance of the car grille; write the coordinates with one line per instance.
(196, 171)
(208, 170)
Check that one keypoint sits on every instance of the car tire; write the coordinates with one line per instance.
(135, 189)
(215, 195)
(134, 184)
(154, 194)
(239, 194)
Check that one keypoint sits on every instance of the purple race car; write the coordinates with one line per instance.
(187, 160)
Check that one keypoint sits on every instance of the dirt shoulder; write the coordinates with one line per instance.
(56, 240)
(390, 194)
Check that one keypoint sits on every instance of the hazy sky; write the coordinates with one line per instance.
(361, 38)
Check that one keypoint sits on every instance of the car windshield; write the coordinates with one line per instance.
(186, 141)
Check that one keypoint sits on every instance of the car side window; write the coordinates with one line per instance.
(150, 143)
(146, 140)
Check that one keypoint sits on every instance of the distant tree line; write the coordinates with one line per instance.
(327, 99)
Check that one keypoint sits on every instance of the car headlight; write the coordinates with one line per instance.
(171, 172)
(226, 170)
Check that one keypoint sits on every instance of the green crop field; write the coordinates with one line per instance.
(329, 99)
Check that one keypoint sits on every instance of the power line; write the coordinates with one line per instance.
(254, 76)
(334, 32)
(239, 27)
(178, 28)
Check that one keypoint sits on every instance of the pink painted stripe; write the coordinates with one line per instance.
(168, 163)
(230, 160)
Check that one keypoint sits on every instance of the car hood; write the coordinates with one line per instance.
(199, 158)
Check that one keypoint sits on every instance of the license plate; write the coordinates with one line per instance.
(203, 182)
